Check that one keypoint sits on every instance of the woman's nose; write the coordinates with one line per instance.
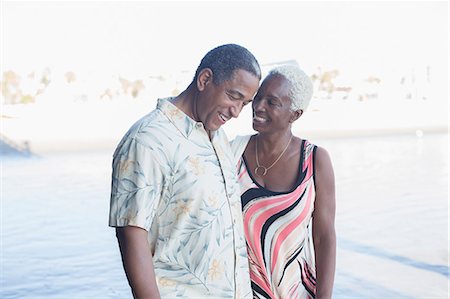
(258, 105)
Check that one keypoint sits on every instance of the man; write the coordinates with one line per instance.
(175, 200)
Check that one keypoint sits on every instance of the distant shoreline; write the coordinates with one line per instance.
(419, 132)
(75, 127)
(43, 147)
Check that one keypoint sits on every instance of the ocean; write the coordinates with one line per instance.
(392, 221)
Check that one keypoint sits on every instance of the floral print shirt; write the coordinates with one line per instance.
(170, 179)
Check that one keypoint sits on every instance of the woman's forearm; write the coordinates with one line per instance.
(325, 250)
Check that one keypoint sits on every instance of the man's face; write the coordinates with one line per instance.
(219, 103)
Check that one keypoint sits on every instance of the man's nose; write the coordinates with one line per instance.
(236, 109)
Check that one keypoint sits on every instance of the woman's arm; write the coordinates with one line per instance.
(324, 235)
(137, 262)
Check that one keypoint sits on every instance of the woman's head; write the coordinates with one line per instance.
(301, 88)
(281, 99)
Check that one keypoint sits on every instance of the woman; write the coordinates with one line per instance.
(287, 183)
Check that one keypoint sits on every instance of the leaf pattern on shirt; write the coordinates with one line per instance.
(169, 179)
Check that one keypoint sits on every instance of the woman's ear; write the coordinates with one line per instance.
(204, 78)
(295, 115)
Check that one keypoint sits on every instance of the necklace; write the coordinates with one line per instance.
(264, 169)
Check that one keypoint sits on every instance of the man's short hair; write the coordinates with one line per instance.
(226, 59)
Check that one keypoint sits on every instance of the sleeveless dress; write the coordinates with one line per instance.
(278, 232)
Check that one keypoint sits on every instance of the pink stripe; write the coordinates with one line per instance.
(308, 163)
(265, 285)
(285, 232)
(309, 171)
(243, 172)
(284, 202)
(293, 292)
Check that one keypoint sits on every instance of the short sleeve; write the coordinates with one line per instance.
(137, 185)
(238, 145)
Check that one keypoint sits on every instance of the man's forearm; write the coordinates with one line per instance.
(138, 262)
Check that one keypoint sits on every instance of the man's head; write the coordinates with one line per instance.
(226, 80)
(224, 60)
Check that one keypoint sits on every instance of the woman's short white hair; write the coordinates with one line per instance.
(301, 86)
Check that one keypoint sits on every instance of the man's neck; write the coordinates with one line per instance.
(185, 101)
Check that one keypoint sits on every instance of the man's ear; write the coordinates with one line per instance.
(204, 78)
(295, 115)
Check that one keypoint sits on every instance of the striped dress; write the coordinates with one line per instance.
(278, 232)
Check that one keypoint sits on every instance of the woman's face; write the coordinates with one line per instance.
(272, 105)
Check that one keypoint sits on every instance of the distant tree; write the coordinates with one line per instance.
(131, 87)
(46, 77)
(70, 77)
(10, 86)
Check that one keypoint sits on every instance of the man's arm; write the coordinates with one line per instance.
(137, 262)
(324, 235)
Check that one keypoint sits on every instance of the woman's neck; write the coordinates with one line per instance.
(273, 142)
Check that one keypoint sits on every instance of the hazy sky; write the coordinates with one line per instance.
(141, 38)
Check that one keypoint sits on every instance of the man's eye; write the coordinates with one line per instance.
(231, 97)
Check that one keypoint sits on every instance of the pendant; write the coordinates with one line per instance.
(264, 170)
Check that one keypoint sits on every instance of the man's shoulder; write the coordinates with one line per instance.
(238, 145)
(152, 123)
(152, 128)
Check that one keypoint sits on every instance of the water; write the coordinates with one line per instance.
(392, 222)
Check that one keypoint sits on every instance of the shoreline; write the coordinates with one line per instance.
(40, 147)
(99, 126)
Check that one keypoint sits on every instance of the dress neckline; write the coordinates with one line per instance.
(299, 175)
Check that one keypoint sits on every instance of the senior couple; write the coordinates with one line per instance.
(197, 216)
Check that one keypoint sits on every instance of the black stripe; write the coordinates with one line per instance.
(314, 164)
(251, 194)
(289, 262)
(256, 289)
(311, 292)
(273, 218)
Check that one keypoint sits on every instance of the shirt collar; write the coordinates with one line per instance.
(177, 117)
